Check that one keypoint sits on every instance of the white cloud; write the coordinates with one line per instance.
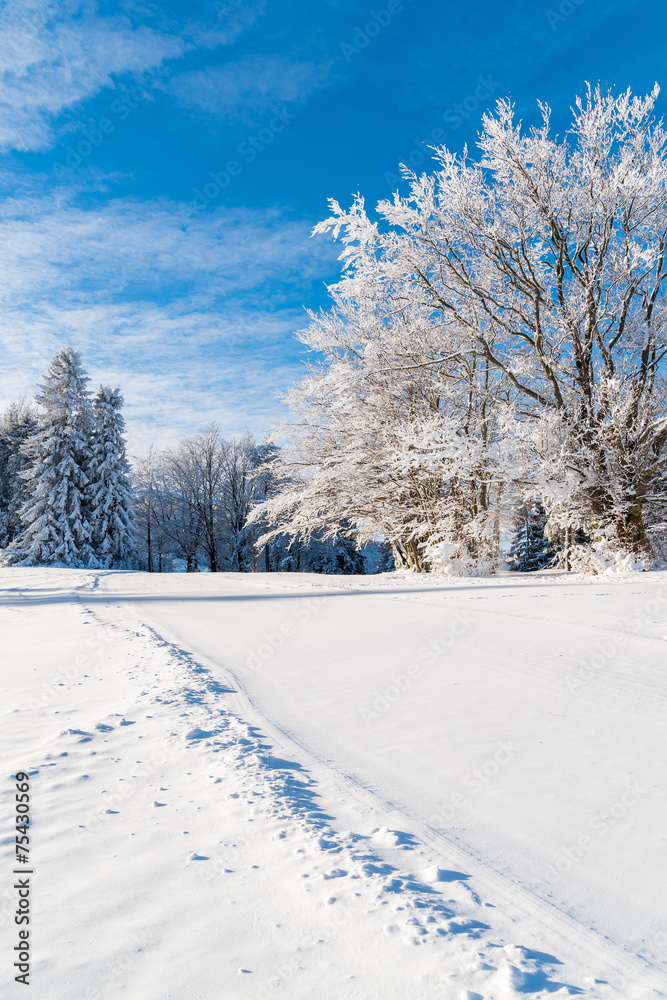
(250, 86)
(228, 22)
(182, 317)
(51, 60)
(58, 53)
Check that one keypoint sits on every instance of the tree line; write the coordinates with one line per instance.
(68, 496)
(193, 504)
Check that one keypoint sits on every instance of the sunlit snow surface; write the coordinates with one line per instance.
(327, 787)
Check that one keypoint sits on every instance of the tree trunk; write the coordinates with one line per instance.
(631, 531)
(150, 548)
(406, 556)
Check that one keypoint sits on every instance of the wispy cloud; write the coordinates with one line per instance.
(227, 23)
(182, 316)
(250, 86)
(51, 60)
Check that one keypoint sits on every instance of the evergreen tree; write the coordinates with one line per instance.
(531, 549)
(55, 525)
(16, 426)
(6, 492)
(109, 492)
(333, 557)
(378, 558)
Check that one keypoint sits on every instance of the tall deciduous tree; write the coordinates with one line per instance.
(546, 258)
(397, 435)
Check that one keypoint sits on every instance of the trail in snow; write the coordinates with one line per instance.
(247, 860)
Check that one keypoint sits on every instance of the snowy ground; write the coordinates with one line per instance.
(309, 787)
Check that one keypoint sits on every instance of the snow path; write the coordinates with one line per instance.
(349, 883)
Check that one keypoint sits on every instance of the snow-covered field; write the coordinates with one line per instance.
(315, 787)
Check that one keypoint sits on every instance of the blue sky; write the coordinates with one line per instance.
(162, 166)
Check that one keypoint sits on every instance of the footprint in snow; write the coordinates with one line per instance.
(197, 857)
(198, 734)
(103, 728)
(126, 722)
(393, 838)
(436, 874)
(335, 873)
(85, 737)
(157, 804)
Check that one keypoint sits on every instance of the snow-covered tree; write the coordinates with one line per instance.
(194, 480)
(109, 491)
(54, 516)
(267, 483)
(397, 435)
(546, 258)
(334, 558)
(531, 549)
(151, 511)
(239, 498)
(16, 425)
(193, 503)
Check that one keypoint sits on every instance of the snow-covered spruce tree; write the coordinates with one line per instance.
(548, 255)
(109, 491)
(55, 526)
(332, 557)
(531, 549)
(16, 425)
